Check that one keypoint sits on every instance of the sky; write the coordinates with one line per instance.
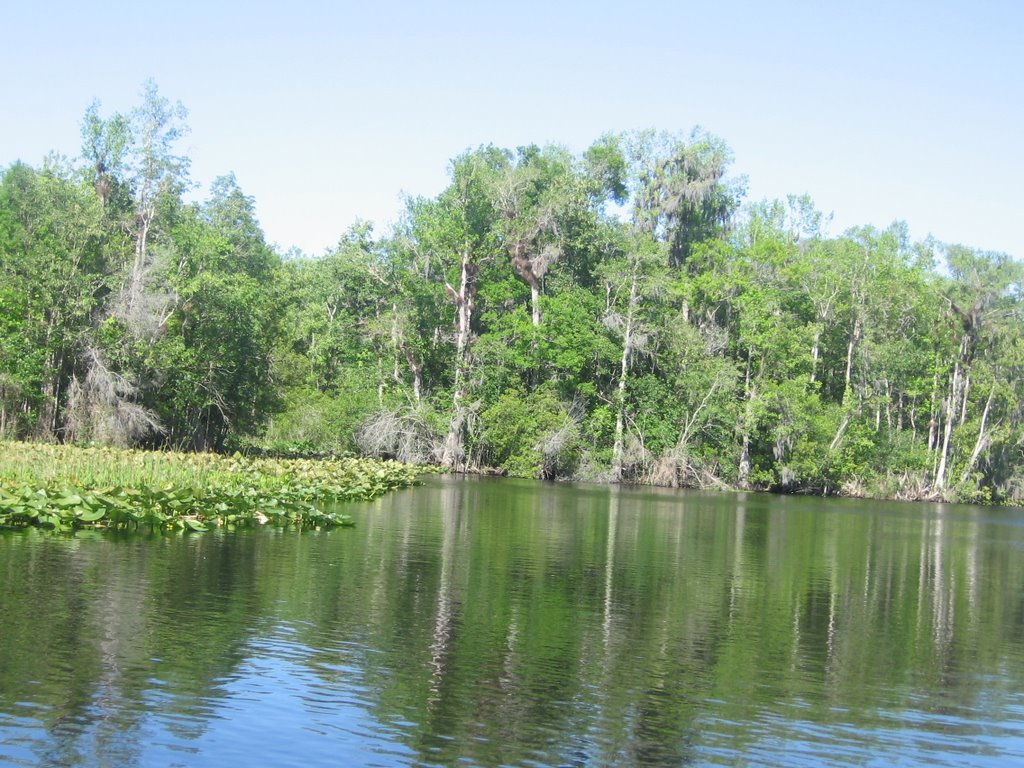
(331, 112)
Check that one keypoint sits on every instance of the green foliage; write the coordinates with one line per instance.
(67, 488)
(324, 421)
(613, 314)
(530, 435)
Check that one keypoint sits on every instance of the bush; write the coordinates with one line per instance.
(321, 422)
(531, 435)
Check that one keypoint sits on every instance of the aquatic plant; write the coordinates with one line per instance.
(68, 487)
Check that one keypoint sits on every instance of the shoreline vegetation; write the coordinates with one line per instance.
(620, 314)
(67, 488)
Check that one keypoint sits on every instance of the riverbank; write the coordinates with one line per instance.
(905, 486)
(68, 487)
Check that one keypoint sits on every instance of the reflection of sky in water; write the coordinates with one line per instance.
(508, 622)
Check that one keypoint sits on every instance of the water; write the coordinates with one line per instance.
(495, 622)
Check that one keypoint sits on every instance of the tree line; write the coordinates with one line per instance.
(620, 314)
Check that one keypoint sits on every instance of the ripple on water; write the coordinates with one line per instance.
(490, 623)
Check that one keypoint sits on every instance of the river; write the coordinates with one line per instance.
(476, 621)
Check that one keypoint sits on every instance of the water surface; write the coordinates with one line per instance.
(496, 622)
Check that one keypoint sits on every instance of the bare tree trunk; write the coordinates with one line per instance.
(963, 399)
(137, 277)
(982, 442)
(396, 339)
(838, 439)
(743, 471)
(381, 376)
(453, 454)
(417, 375)
(854, 337)
(823, 307)
(888, 406)
(933, 423)
(956, 405)
(618, 449)
(952, 404)
(690, 423)
(815, 352)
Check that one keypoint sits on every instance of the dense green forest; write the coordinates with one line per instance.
(621, 315)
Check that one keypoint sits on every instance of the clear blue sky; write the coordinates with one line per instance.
(328, 111)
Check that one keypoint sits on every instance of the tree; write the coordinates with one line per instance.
(534, 198)
(212, 366)
(984, 308)
(136, 152)
(458, 232)
(680, 194)
(631, 282)
(53, 274)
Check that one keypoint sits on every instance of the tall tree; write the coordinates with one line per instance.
(53, 274)
(984, 306)
(138, 152)
(534, 198)
(632, 282)
(458, 230)
(680, 193)
(212, 365)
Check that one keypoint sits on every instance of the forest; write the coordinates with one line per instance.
(623, 314)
